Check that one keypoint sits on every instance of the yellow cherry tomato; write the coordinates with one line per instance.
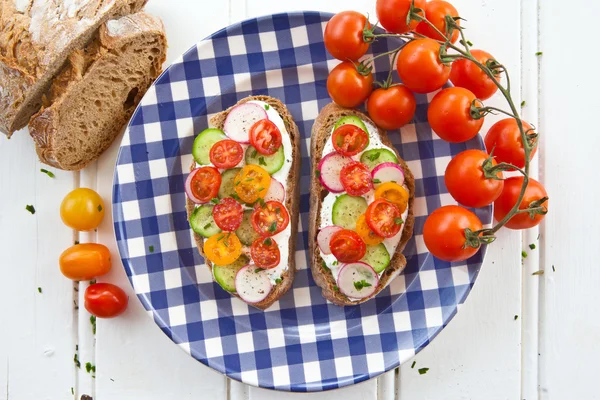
(393, 193)
(252, 183)
(82, 209)
(223, 248)
(83, 262)
(365, 233)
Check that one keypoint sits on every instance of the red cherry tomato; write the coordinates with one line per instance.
(270, 219)
(356, 178)
(436, 12)
(466, 74)
(392, 14)
(265, 253)
(420, 68)
(228, 214)
(344, 35)
(347, 246)
(444, 233)
(347, 86)
(392, 108)
(504, 138)
(205, 183)
(349, 140)
(226, 154)
(384, 218)
(105, 300)
(507, 200)
(265, 137)
(449, 115)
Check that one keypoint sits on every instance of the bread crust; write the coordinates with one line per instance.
(292, 201)
(321, 131)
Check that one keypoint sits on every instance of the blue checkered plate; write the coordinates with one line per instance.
(302, 343)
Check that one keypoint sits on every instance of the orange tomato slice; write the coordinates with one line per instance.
(365, 233)
(393, 193)
(252, 183)
(223, 248)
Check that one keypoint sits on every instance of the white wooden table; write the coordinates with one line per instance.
(549, 352)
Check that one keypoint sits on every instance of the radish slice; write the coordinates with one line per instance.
(388, 172)
(329, 171)
(276, 191)
(240, 119)
(324, 237)
(252, 284)
(188, 187)
(358, 280)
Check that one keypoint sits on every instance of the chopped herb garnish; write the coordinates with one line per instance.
(374, 156)
(278, 210)
(261, 189)
(376, 181)
(539, 53)
(516, 317)
(72, 391)
(361, 284)
(30, 208)
(214, 201)
(268, 241)
(335, 262)
(523, 103)
(207, 225)
(76, 360)
(524, 254)
(553, 269)
(220, 238)
(540, 272)
(45, 171)
(93, 322)
(235, 196)
(337, 289)
(261, 161)
(39, 290)
(254, 153)
(278, 281)
(413, 364)
(89, 367)
(532, 246)
(317, 173)
(324, 265)
(257, 270)
(267, 106)
(398, 221)
(99, 208)
(237, 183)
(273, 227)
(423, 371)
(77, 242)
(151, 248)
(469, 43)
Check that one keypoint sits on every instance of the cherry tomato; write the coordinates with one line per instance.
(82, 209)
(449, 115)
(205, 184)
(365, 233)
(83, 262)
(226, 154)
(344, 35)
(356, 178)
(384, 218)
(349, 140)
(265, 137)
(504, 138)
(105, 300)
(507, 200)
(347, 246)
(393, 193)
(467, 183)
(392, 14)
(420, 68)
(347, 86)
(252, 183)
(444, 233)
(222, 248)
(392, 108)
(466, 74)
(265, 253)
(228, 214)
(436, 12)
(270, 219)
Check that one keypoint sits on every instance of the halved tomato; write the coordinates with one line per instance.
(265, 137)
(205, 183)
(223, 248)
(252, 183)
(393, 193)
(349, 140)
(265, 253)
(356, 178)
(270, 219)
(365, 232)
(226, 154)
(384, 218)
(347, 246)
(228, 214)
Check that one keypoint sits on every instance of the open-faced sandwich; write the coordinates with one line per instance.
(243, 199)
(361, 207)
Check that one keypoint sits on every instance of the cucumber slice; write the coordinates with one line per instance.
(225, 275)
(377, 257)
(202, 221)
(271, 164)
(374, 157)
(204, 142)
(246, 232)
(346, 210)
(352, 120)
(227, 178)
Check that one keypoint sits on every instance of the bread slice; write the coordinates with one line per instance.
(36, 37)
(96, 93)
(292, 198)
(321, 131)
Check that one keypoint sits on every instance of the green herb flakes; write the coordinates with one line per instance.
(257, 270)
(93, 322)
(374, 156)
(376, 181)
(207, 225)
(516, 317)
(398, 221)
(523, 103)
(413, 364)
(532, 246)
(268, 241)
(278, 281)
(337, 289)
(324, 266)
(89, 367)
(261, 161)
(423, 371)
(45, 171)
(361, 284)
(273, 227)
(39, 290)
(267, 106)
(317, 173)
(524, 254)
(99, 208)
(76, 360)
(214, 201)
(151, 248)
(553, 269)
(539, 53)
(30, 208)
(540, 272)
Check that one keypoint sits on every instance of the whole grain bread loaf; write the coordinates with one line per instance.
(97, 91)
(36, 37)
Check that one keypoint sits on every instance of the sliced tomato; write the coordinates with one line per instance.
(265, 253)
(228, 214)
(226, 154)
(349, 140)
(356, 178)
(223, 248)
(365, 232)
(270, 219)
(384, 218)
(265, 137)
(347, 246)
(252, 183)
(205, 183)
(393, 193)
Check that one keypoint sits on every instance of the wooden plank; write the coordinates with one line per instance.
(570, 324)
